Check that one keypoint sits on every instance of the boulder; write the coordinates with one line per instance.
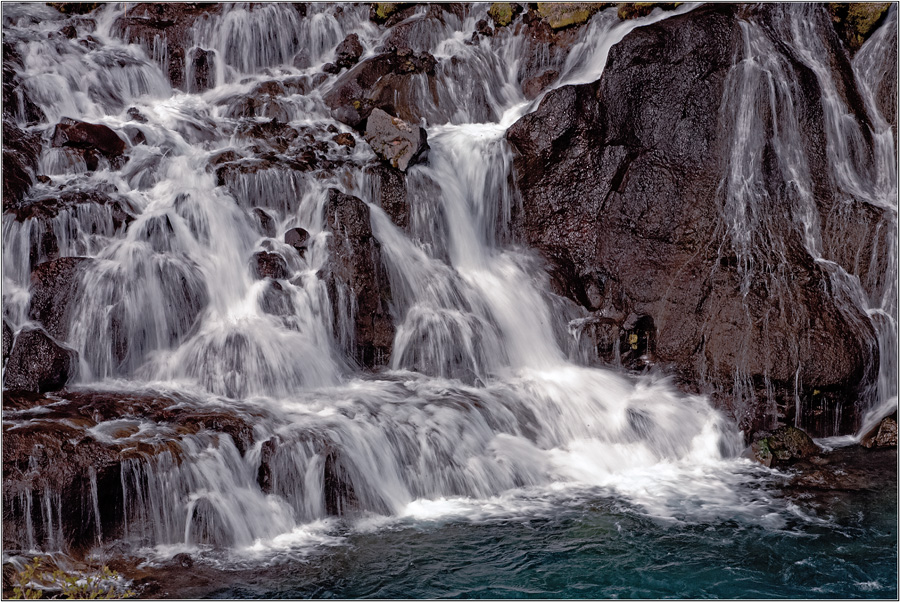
(622, 194)
(55, 289)
(395, 141)
(345, 139)
(502, 13)
(297, 238)
(166, 25)
(883, 435)
(390, 193)
(566, 14)
(269, 265)
(855, 22)
(357, 281)
(203, 70)
(533, 86)
(21, 150)
(90, 140)
(348, 52)
(384, 81)
(38, 364)
(7, 340)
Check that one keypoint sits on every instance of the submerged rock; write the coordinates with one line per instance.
(357, 281)
(38, 364)
(397, 142)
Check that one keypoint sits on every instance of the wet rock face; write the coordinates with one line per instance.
(348, 52)
(621, 193)
(297, 238)
(883, 435)
(90, 140)
(203, 69)
(7, 340)
(390, 193)
(54, 292)
(269, 265)
(148, 23)
(20, 162)
(397, 142)
(385, 81)
(38, 364)
(357, 281)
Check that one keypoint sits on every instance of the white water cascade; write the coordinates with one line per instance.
(485, 400)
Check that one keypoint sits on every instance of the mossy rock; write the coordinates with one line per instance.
(559, 15)
(383, 10)
(856, 21)
(74, 8)
(502, 13)
(634, 10)
(782, 446)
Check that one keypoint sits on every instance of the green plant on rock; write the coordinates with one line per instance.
(383, 10)
(856, 21)
(102, 585)
(633, 10)
(564, 14)
(502, 13)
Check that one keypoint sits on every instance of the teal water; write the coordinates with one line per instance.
(803, 543)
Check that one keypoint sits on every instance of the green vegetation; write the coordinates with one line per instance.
(502, 13)
(564, 14)
(32, 582)
(383, 10)
(856, 21)
(633, 10)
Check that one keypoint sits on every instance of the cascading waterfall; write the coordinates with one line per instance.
(478, 397)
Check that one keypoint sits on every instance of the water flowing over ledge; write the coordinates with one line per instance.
(269, 335)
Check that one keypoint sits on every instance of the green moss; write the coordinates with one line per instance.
(856, 21)
(633, 10)
(383, 10)
(74, 8)
(565, 14)
(502, 13)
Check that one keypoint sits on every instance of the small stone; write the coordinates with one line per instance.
(345, 139)
(269, 265)
(297, 238)
(348, 52)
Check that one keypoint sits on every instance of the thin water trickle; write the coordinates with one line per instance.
(479, 409)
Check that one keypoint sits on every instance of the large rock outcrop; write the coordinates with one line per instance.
(624, 183)
(38, 364)
(357, 281)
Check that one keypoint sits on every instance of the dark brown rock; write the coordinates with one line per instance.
(382, 81)
(533, 86)
(345, 139)
(89, 139)
(297, 238)
(38, 364)
(883, 435)
(203, 68)
(7, 340)
(269, 265)
(785, 445)
(390, 193)
(20, 161)
(622, 194)
(55, 289)
(355, 276)
(348, 52)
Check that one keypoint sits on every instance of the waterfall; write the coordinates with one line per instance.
(484, 391)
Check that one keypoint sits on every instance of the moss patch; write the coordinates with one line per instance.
(633, 10)
(383, 10)
(565, 14)
(502, 13)
(856, 21)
